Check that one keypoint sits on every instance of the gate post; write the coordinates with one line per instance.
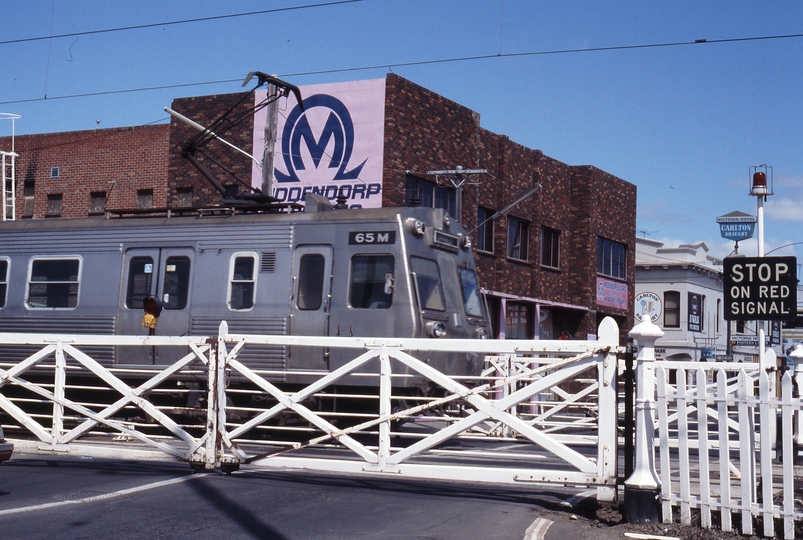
(642, 487)
(797, 384)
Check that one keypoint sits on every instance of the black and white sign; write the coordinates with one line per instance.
(760, 288)
(372, 237)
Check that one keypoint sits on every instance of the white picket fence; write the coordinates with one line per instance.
(726, 438)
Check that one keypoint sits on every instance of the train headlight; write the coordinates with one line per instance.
(416, 226)
(481, 332)
(447, 220)
(436, 329)
(465, 241)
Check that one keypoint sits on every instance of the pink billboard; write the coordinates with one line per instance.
(611, 293)
(333, 147)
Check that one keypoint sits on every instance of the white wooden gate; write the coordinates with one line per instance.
(726, 439)
(539, 402)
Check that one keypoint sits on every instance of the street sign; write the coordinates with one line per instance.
(746, 341)
(760, 288)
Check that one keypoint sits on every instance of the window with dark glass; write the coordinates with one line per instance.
(550, 247)
(471, 292)
(54, 204)
(241, 284)
(27, 210)
(140, 280)
(184, 197)
(518, 321)
(144, 198)
(310, 281)
(3, 281)
(428, 283)
(176, 282)
(97, 202)
(430, 194)
(671, 309)
(517, 238)
(611, 258)
(485, 230)
(53, 283)
(371, 283)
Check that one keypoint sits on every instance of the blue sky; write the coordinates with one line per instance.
(630, 93)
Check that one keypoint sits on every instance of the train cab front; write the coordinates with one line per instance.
(445, 289)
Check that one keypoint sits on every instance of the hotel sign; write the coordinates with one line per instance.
(736, 226)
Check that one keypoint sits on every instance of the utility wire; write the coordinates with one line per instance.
(422, 62)
(183, 21)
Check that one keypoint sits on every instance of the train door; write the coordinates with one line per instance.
(165, 273)
(312, 292)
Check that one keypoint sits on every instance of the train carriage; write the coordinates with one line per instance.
(389, 272)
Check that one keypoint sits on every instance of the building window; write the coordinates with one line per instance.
(518, 321)
(54, 204)
(550, 247)
(242, 283)
(430, 195)
(740, 327)
(485, 230)
(517, 238)
(184, 197)
(611, 258)
(144, 198)
(98, 202)
(27, 209)
(53, 283)
(719, 312)
(671, 309)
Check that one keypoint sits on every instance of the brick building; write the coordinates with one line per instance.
(558, 261)
(82, 173)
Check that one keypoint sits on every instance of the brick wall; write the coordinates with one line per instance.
(116, 161)
(425, 131)
(219, 158)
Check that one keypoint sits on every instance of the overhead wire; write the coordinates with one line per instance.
(182, 21)
(426, 62)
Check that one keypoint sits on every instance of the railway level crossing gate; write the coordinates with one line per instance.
(542, 411)
(728, 437)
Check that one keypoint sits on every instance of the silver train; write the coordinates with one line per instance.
(391, 272)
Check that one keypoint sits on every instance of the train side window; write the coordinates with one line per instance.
(53, 283)
(471, 292)
(3, 281)
(177, 283)
(368, 287)
(310, 281)
(241, 281)
(140, 279)
(428, 283)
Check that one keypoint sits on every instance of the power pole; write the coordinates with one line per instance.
(457, 177)
(271, 124)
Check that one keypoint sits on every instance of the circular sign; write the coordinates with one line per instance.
(648, 306)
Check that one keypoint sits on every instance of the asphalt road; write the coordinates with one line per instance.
(68, 497)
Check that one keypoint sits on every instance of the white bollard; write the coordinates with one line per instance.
(642, 488)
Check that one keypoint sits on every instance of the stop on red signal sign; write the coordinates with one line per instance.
(760, 288)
